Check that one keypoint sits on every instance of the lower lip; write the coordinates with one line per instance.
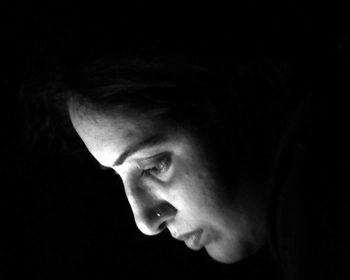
(194, 241)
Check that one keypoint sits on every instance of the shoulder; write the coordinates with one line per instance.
(309, 230)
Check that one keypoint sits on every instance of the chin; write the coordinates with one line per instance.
(224, 256)
(231, 253)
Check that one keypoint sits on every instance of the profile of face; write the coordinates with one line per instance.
(170, 185)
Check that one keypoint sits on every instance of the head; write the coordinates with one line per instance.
(170, 131)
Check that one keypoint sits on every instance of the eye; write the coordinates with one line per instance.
(157, 167)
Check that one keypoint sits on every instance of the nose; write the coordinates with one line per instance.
(151, 213)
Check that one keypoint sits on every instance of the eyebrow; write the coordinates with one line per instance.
(145, 143)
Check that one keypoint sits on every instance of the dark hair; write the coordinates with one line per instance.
(236, 107)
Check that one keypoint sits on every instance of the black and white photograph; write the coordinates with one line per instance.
(170, 140)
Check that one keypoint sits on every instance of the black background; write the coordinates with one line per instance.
(61, 215)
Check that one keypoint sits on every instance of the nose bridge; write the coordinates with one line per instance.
(150, 210)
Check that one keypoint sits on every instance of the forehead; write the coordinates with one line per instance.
(106, 135)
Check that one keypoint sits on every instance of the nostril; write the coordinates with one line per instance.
(153, 220)
(162, 226)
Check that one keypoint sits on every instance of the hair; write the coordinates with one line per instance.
(235, 107)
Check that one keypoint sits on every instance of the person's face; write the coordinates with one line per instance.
(169, 184)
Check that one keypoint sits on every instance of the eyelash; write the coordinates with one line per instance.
(161, 165)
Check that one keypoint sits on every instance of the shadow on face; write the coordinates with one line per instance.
(169, 183)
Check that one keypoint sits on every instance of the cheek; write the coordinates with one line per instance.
(194, 191)
(193, 187)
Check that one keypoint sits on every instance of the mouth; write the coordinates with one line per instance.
(192, 239)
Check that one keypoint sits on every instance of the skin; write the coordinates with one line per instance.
(170, 175)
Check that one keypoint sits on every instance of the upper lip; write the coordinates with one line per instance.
(185, 236)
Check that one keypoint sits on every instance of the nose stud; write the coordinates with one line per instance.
(158, 213)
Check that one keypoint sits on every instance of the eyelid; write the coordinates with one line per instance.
(157, 167)
(142, 163)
